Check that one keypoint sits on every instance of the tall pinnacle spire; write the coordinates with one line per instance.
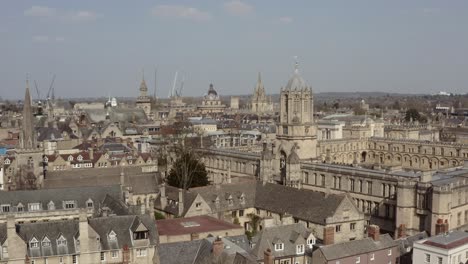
(28, 138)
(296, 65)
(259, 78)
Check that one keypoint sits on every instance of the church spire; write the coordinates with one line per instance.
(28, 139)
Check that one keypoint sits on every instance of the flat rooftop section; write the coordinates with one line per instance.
(190, 225)
(448, 240)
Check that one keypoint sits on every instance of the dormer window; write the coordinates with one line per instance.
(279, 246)
(89, 203)
(46, 159)
(34, 206)
(242, 199)
(20, 207)
(300, 249)
(80, 158)
(51, 206)
(230, 200)
(311, 242)
(70, 158)
(7, 162)
(45, 242)
(5, 208)
(141, 232)
(69, 204)
(112, 236)
(61, 241)
(33, 243)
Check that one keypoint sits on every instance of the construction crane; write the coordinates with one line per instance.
(172, 91)
(179, 92)
(37, 91)
(51, 89)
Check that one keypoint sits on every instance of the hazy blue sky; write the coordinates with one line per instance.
(99, 47)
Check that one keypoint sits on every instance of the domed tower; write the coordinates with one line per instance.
(296, 128)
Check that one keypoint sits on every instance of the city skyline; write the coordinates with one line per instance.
(95, 50)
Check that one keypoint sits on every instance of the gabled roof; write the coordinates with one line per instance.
(270, 236)
(122, 226)
(357, 247)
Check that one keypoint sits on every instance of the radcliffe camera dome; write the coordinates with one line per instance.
(212, 91)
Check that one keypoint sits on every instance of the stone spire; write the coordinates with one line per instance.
(28, 137)
(143, 87)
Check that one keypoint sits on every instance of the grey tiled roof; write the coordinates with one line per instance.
(232, 254)
(53, 231)
(123, 227)
(280, 234)
(58, 196)
(141, 183)
(357, 247)
(308, 205)
(242, 196)
(178, 253)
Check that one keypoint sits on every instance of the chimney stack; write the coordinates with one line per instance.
(329, 235)
(218, 246)
(401, 231)
(446, 226)
(84, 236)
(439, 226)
(181, 202)
(91, 153)
(268, 257)
(162, 193)
(373, 231)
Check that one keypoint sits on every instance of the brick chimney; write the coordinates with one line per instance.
(329, 235)
(373, 231)
(439, 226)
(268, 257)
(218, 246)
(446, 226)
(401, 231)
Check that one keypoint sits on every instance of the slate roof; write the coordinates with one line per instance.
(308, 205)
(232, 253)
(172, 194)
(289, 235)
(406, 244)
(123, 227)
(242, 195)
(199, 252)
(357, 247)
(58, 196)
(140, 183)
(53, 231)
(178, 253)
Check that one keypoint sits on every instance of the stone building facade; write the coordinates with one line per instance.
(404, 186)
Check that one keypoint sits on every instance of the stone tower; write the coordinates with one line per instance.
(27, 134)
(259, 102)
(296, 128)
(143, 101)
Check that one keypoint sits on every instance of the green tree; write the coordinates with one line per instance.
(187, 171)
(412, 114)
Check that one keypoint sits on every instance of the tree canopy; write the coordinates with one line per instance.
(413, 115)
(187, 171)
